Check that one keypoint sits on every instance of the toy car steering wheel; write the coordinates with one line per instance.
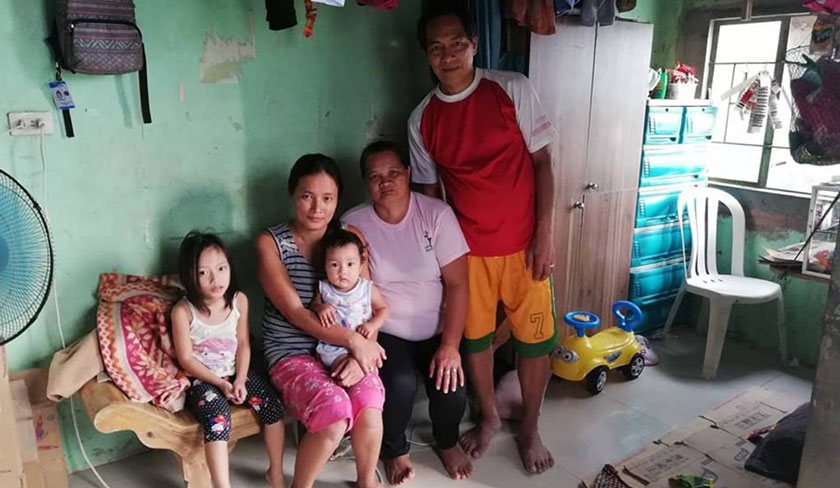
(582, 321)
(627, 321)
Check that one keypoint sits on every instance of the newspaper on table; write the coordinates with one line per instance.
(784, 255)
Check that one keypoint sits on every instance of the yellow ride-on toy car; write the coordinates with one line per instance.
(579, 357)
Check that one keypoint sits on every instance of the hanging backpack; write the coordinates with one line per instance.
(100, 37)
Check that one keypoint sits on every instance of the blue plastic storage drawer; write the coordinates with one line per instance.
(654, 313)
(699, 124)
(652, 245)
(656, 282)
(672, 164)
(657, 207)
(663, 125)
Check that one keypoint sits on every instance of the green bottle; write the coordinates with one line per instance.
(661, 87)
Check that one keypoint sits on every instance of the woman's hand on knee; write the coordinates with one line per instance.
(446, 368)
(347, 372)
(367, 352)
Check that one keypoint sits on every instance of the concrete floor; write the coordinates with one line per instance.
(583, 432)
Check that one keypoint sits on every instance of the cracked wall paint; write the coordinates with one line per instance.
(222, 58)
(805, 301)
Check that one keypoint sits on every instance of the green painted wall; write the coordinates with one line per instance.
(122, 194)
(666, 16)
(804, 300)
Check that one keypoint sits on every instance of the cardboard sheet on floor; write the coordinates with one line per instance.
(713, 445)
(754, 409)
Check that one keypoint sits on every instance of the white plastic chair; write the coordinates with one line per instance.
(702, 277)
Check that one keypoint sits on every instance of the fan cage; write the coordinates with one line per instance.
(16, 317)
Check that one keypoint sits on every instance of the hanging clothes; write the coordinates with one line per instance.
(280, 14)
(536, 15)
(827, 6)
(625, 5)
(311, 15)
(562, 7)
(380, 4)
(602, 11)
(487, 17)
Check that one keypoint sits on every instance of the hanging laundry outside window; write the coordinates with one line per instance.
(758, 98)
(828, 6)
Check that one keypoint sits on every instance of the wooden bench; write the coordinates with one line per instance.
(157, 428)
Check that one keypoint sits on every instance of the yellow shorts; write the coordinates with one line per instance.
(528, 304)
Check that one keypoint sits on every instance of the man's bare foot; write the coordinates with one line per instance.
(399, 470)
(475, 441)
(456, 463)
(275, 479)
(535, 457)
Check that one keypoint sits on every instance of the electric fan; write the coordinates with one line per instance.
(26, 259)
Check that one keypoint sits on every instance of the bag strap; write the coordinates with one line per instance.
(68, 124)
(144, 90)
(55, 46)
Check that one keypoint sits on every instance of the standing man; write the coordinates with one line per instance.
(483, 135)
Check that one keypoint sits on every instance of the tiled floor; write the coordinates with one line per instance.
(583, 432)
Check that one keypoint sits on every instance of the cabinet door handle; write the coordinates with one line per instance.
(577, 205)
(591, 186)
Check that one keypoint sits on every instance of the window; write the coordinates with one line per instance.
(740, 50)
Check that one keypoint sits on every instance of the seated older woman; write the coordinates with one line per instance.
(417, 257)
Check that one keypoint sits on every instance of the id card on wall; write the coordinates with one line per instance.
(61, 95)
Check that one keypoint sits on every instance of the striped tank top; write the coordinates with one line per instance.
(282, 339)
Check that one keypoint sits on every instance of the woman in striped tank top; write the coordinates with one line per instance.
(348, 397)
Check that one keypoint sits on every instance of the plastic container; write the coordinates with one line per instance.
(661, 88)
(682, 91)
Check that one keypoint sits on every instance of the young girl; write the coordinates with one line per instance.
(345, 298)
(210, 331)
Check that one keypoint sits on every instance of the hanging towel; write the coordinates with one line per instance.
(536, 15)
(602, 11)
(280, 14)
(71, 368)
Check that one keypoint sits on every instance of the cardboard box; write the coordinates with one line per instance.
(23, 420)
(11, 464)
(47, 469)
(4, 371)
(36, 383)
(7, 481)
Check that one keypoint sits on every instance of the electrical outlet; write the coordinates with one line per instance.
(31, 123)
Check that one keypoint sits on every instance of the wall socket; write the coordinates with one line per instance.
(31, 123)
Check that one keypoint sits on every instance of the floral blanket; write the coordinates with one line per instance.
(132, 324)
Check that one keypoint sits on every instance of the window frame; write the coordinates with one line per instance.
(778, 74)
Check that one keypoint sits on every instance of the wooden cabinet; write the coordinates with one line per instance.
(592, 82)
